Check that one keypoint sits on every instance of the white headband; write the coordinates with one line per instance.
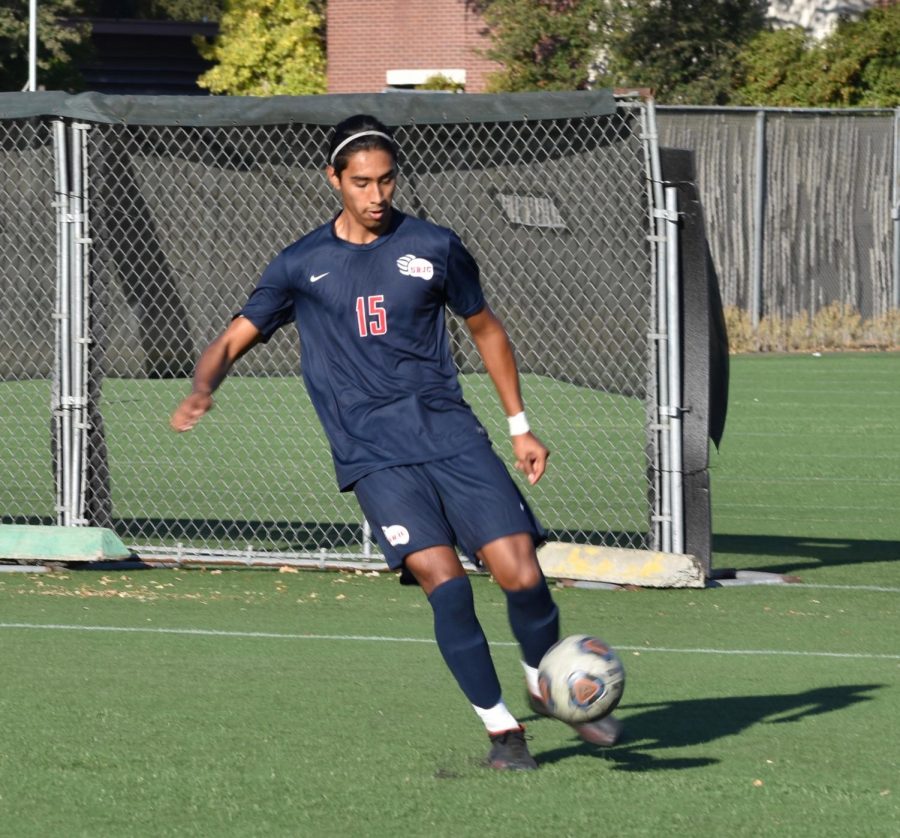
(353, 137)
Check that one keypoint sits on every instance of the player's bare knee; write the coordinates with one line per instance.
(434, 566)
(527, 576)
(512, 561)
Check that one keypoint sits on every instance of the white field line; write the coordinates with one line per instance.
(879, 588)
(194, 632)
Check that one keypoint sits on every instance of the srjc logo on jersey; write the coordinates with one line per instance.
(396, 534)
(413, 266)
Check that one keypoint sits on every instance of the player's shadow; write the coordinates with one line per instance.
(791, 555)
(679, 724)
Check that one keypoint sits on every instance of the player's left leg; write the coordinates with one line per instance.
(492, 520)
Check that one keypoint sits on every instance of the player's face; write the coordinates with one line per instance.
(367, 190)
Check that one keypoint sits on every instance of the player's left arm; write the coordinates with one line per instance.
(493, 344)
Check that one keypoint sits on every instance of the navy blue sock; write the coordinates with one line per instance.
(534, 619)
(462, 642)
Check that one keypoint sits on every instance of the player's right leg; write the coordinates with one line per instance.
(465, 650)
(408, 520)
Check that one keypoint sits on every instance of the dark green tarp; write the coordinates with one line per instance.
(393, 109)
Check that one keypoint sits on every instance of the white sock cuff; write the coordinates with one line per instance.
(497, 718)
(531, 678)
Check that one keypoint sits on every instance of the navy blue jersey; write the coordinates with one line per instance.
(375, 353)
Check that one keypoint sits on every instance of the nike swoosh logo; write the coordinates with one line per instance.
(317, 277)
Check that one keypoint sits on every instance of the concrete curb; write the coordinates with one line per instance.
(620, 566)
(23, 542)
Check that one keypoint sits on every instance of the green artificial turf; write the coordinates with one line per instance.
(808, 478)
(344, 725)
(246, 702)
(26, 460)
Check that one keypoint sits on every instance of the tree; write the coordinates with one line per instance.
(58, 44)
(267, 47)
(442, 83)
(541, 44)
(185, 10)
(683, 49)
(189, 10)
(856, 65)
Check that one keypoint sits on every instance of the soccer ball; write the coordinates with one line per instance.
(581, 679)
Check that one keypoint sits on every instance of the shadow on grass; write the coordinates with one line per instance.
(295, 535)
(290, 535)
(797, 554)
(680, 724)
(272, 535)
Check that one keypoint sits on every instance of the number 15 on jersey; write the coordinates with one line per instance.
(371, 316)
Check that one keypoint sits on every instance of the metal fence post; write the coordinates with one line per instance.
(70, 357)
(895, 212)
(759, 220)
(79, 266)
(674, 407)
(62, 385)
(661, 512)
(31, 84)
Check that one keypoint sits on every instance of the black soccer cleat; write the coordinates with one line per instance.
(509, 751)
(406, 576)
(604, 732)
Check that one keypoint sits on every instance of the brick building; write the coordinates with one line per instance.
(378, 44)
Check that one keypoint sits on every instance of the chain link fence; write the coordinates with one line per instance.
(182, 218)
(28, 253)
(802, 205)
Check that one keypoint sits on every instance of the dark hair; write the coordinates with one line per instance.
(356, 125)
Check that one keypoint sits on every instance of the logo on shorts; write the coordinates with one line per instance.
(396, 534)
(413, 266)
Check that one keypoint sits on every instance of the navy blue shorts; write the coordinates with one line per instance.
(464, 501)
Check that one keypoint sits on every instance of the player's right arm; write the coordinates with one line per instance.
(214, 364)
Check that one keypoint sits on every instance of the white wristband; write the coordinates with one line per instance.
(518, 424)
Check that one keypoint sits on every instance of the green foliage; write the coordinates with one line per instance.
(542, 44)
(265, 48)
(683, 49)
(770, 67)
(187, 10)
(692, 52)
(183, 9)
(857, 65)
(441, 82)
(58, 44)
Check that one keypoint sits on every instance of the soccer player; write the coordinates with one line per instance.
(368, 292)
